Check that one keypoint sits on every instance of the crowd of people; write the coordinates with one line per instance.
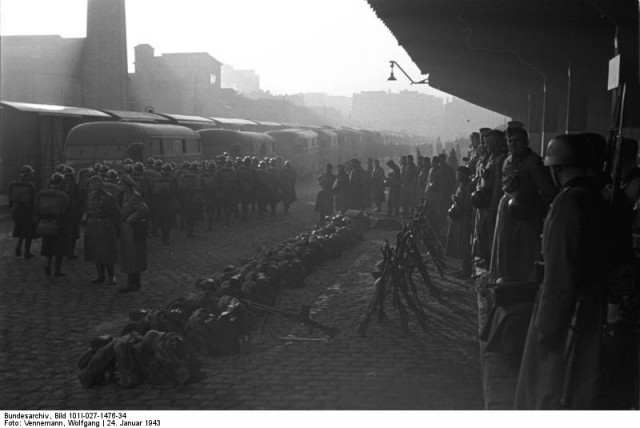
(402, 187)
(121, 208)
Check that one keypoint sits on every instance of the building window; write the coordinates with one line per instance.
(213, 79)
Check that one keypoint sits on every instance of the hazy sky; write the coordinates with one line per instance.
(334, 46)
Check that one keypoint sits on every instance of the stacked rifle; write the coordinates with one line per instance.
(395, 281)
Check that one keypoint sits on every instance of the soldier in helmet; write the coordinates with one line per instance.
(490, 184)
(164, 200)
(568, 314)
(261, 188)
(192, 201)
(247, 184)
(22, 193)
(273, 185)
(528, 191)
(84, 175)
(210, 193)
(132, 244)
(228, 186)
(111, 184)
(51, 213)
(127, 166)
(71, 188)
(460, 213)
(288, 186)
(254, 166)
(103, 171)
(143, 184)
(102, 231)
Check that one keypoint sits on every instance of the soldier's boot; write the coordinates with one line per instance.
(111, 277)
(19, 248)
(27, 248)
(100, 278)
(73, 250)
(58, 267)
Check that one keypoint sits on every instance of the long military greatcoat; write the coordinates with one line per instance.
(103, 223)
(516, 242)
(133, 242)
(459, 235)
(575, 246)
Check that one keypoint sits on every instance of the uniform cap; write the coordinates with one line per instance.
(26, 170)
(138, 166)
(112, 174)
(127, 161)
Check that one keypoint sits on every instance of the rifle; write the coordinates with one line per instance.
(614, 165)
(301, 317)
(570, 355)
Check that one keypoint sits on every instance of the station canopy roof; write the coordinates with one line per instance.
(232, 121)
(48, 109)
(493, 52)
(137, 116)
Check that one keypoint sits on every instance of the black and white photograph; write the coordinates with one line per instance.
(370, 206)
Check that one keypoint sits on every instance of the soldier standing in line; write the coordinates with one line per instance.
(71, 188)
(377, 185)
(228, 185)
(22, 193)
(210, 192)
(481, 246)
(433, 194)
(341, 190)
(367, 183)
(190, 185)
(143, 185)
(51, 212)
(273, 185)
(288, 186)
(178, 173)
(84, 175)
(261, 188)
(133, 238)
(449, 184)
(152, 173)
(561, 362)
(528, 191)
(110, 184)
(254, 203)
(102, 231)
(460, 228)
(490, 182)
(164, 194)
(394, 183)
(247, 183)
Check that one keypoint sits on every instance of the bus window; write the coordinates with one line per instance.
(192, 146)
(79, 152)
(156, 146)
(109, 152)
(136, 152)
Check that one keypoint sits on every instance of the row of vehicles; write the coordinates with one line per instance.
(309, 148)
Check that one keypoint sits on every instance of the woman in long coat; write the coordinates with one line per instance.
(324, 199)
(133, 243)
(102, 230)
(21, 197)
(459, 235)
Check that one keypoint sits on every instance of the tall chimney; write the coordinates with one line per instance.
(104, 62)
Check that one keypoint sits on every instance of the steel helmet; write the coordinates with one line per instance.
(568, 150)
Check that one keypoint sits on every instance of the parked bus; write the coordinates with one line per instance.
(300, 147)
(111, 142)
(237, 143)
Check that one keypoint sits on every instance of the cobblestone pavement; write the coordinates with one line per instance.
(45, 325)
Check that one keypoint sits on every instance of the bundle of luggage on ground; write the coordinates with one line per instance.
(163, 346)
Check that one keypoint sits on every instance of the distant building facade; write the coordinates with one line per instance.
(89, 72)
(185, 83)
(246, 82)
